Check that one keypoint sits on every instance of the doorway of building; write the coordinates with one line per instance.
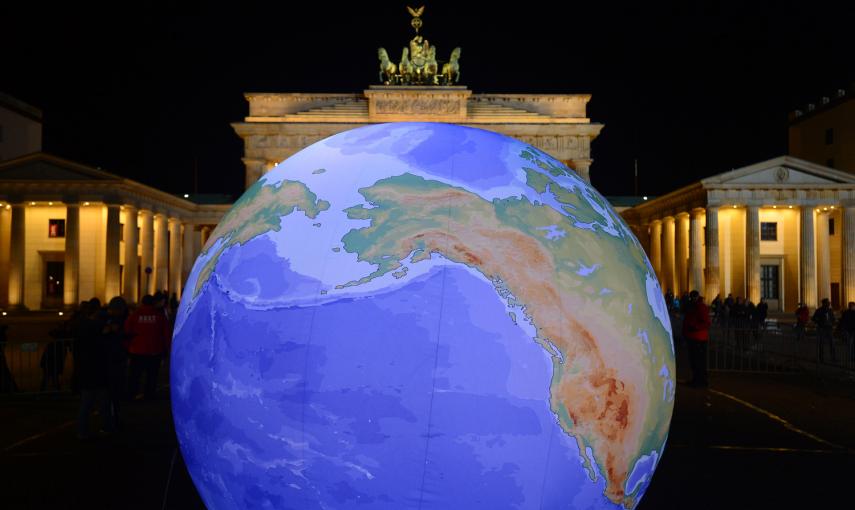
(770, 285)
(836, 302)
(53, 284)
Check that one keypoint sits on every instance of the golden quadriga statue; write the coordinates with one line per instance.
(418, 65)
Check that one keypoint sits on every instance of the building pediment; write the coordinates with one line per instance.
(782, 171)
(44, 167)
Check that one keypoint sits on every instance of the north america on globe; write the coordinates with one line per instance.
(420, 315)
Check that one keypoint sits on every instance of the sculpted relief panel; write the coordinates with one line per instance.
(417, 105)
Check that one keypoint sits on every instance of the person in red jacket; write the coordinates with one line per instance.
(148, 330)
(696, 331)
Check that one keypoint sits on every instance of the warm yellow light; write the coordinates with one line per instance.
(8, 206)
(825, 208)
(60, 313)
(50, 203)
(832, 207)
(4, 314)
(85, 203)
(790, 206)
(32, 203)
(774, 207)
(734, 207)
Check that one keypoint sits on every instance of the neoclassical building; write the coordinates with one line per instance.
(281, 124)
(783, 229)
(69, 232)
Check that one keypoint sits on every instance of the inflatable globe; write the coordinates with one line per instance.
(428, 316)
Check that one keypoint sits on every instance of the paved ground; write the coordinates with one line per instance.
(748, 442)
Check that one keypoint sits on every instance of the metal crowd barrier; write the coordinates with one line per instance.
(38, 366)
(777, 348)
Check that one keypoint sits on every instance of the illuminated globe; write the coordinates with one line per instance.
(420, 315)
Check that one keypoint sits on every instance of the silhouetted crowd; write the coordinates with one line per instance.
(113, 349)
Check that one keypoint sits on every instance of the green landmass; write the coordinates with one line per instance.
(258, 211)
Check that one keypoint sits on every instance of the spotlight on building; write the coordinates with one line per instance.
(186, 195)
(644, 197)
(4, 314)
(60, 313)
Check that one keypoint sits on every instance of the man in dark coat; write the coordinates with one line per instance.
(824, 319)
(847, 326)
(92, 355)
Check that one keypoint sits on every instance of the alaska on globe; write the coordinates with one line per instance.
(419, 315)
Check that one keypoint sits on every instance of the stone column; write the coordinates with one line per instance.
(197, 244)
(682, 252)
(146, 222)
(129, 285)
(206, 234)
(71, 278)
(161, 253)
(111, 258)
(187, 257)
(823, 258)
(712, 274)
(696, 270)
(668, 254)
(656, 248)
(17, 257)
(582, 167)
(848, 250)
(807, 258)
(254, 170)
(175, 256)
(5, 246)
(752, 252)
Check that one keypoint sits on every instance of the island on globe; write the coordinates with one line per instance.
(419, 315)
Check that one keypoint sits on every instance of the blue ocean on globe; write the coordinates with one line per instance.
(420, 315)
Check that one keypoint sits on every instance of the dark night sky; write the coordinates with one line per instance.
(690, 89)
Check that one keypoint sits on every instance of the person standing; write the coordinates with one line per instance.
(116, 340)
(824, 319)
(93, 362)
(696, 332)
(802, 318)
(148, 329)
(847, 326)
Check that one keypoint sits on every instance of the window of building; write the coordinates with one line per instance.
(831, 226)
(768, 231)
(56, 228)
(829, 136)
(829, 162)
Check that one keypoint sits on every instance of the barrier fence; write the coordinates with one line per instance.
(780, 348)
(47, 366)
(37, 366)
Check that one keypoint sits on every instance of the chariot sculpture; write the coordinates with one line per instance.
(418, 64)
